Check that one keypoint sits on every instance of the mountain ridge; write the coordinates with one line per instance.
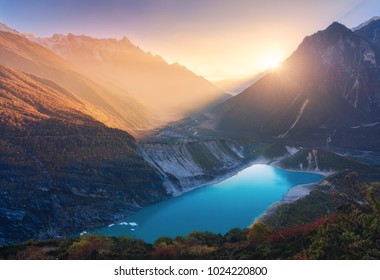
(330, 81)
(122, 109)
(171, 90)
(371, 32)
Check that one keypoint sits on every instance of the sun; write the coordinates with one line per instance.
(270, 61)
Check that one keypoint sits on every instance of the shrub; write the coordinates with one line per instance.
(258, 233)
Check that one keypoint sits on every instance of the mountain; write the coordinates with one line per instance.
(171, 90)
(63, 166)
(120, 109)
(330, 82)
(6, 28)
(62, 171)
(365, 24)
(371, 31)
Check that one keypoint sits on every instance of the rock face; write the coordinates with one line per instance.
(186, 165)
(371, 31)
(318, 160)
(61, 171)
(331, 81)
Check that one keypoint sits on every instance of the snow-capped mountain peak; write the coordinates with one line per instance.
(365, 23)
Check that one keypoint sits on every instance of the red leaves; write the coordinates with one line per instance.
(290, 232)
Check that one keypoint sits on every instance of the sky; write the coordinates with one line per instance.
(214, 38)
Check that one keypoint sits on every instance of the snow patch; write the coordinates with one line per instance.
(292, 150)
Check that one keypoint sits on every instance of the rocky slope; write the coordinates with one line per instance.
(318, 160)
(61, 170)
(371, 31)
(190, 163)
(186, 165)
(329, 83)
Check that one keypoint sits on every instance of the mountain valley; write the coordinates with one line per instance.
(92, 130)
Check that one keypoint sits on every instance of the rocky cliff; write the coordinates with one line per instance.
(186, 165)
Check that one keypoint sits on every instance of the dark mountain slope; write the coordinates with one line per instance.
(331, 81)
(61, 171)
(371, 32)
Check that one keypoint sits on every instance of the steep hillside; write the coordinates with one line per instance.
(171, 90)
(186, 165)
(61, 170)
(371, 31)
(330, 82)
(318, 160)
(119, 108)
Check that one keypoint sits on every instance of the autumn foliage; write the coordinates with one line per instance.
(280, 235)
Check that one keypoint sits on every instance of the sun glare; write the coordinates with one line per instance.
(270, 61)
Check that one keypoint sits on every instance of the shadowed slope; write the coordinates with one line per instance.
(61, 171)
(332, 80)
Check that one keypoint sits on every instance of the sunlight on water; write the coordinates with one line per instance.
(235, 202)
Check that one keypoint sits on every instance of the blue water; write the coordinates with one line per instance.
(235, 202)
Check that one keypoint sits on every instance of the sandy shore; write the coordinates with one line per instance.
(295, 192)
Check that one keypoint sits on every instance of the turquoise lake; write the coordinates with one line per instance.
(234, 202)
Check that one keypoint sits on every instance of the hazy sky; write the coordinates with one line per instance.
(210, 37)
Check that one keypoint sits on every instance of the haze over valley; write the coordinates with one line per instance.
(101, 137)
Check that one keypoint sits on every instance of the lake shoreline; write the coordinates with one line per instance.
(225, 176)
(261, 160)
(212, 203)
(216, 180)
(295, 193)
(292, 194)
